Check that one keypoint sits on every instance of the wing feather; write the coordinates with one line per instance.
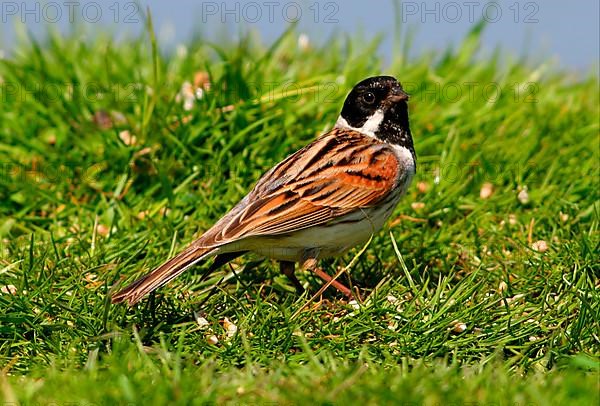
(339, 173)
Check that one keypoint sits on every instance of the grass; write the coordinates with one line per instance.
(482, 288)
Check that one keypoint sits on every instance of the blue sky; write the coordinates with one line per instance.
(566, 33)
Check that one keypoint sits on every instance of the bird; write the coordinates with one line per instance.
(319, 202)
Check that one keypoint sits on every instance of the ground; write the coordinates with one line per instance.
(483, 287)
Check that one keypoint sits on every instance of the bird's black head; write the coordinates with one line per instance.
(378, 107)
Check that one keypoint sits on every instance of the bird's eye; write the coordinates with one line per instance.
(369, 98)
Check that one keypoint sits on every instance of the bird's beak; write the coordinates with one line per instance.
(397, 95)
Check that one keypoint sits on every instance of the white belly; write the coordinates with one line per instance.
(327, 240)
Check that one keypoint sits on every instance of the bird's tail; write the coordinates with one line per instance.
(163, 274)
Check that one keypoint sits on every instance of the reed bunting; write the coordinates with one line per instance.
(319, 202)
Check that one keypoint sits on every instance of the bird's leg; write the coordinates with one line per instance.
(311, 264)
(288, 268)
(338, 285)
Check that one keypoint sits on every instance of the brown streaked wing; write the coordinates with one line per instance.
(338, 173)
